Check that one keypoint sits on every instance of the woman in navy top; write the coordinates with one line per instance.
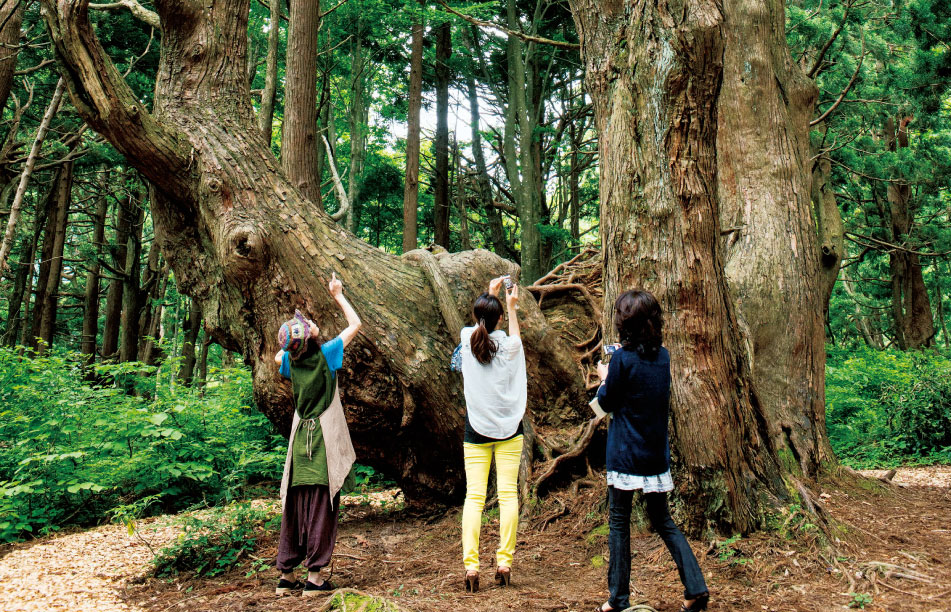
(635, 388)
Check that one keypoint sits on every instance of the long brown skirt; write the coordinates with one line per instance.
(308, 528)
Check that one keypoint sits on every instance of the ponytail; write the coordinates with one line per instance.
(487, 311)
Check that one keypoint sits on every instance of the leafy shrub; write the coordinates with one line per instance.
(71, 450)
(885, 408)
(213, 542)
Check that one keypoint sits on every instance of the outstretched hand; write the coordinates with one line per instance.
(511, 296)
(494, 286)
(602, 370)
(335, 286)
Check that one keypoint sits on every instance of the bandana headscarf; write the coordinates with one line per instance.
(294, 335)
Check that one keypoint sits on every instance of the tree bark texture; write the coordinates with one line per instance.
(441, 144)
(657, 77)
(411, 184)
(911, 306)
(250, 248)
(772, 259)
(300, 142)
(11, 16)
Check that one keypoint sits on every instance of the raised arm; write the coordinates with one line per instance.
(353, 320)
(511, 301)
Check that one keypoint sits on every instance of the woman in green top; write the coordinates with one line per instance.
(312, 480)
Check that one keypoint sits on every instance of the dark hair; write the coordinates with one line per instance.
(486, 311)
(639, 322)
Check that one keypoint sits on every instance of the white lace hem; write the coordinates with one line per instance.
(659, 483)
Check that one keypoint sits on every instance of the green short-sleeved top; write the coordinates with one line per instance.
(313, 378)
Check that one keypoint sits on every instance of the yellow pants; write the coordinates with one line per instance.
(478, 459)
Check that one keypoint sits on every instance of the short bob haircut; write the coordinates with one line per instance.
(639, 322)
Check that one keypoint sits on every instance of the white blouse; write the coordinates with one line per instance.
(496, 392)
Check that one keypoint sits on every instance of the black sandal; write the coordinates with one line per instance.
(699, 603)
(286, 587)
(313, 589)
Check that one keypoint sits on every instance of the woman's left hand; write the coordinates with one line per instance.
(602, 370)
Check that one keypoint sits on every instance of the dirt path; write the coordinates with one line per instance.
(558, 568)
(79, 571)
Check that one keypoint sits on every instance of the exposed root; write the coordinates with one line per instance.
(556, 465)
(572, 299)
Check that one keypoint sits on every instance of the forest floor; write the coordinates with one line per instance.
(893, 555)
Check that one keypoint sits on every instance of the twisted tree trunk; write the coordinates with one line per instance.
(249, 247)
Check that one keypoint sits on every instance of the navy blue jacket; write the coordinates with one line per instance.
(637, 393)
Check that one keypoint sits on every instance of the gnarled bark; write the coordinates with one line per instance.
(249, 247)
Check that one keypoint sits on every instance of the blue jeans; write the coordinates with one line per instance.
(619, 544)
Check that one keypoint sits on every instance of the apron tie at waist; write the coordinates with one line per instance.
(310, 425)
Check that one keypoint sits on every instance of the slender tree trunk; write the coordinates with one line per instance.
(131, 291)
(24, 273)
(483, 183)
(830, 229)
(574, 182)
(441, 144)
(11, 16)
(154, 285)
(269, 95)
(90, 336)
(461, 197)
(911, 306)
(411, 185)
(17, 204)
(325, 120)
(518, 150)
(192, 327)
(358, 129)
(203, 363)
(44, 316)
(662, 90)
(114, 297)
(300, 142)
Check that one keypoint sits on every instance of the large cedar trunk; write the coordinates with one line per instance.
(666, 81)
(250, 248)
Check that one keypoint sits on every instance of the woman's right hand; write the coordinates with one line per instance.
(494, 286)
(511, 297)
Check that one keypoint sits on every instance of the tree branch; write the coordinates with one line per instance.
(825, 48)
(138, 11)
(845, 91)
(338, 184)
(107, 103)
(526, 37)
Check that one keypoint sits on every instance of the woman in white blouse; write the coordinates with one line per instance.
(493, 372)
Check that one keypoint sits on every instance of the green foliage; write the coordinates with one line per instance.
(728, 553)
(72, 451)
(885, 408)
(213, 542)
(860, 600)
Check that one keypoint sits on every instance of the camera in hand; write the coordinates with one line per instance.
(507, 279)
(610, 349)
